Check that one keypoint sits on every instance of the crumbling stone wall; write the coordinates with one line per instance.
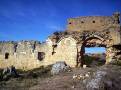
(24, 54)
(65, 51)
(21, 54)
(101, 31)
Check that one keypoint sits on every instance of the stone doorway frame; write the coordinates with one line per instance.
(81, 50)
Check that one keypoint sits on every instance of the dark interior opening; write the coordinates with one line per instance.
(93, 21)
(82, 21)
(70, 23)
(6, 55)
(41, 56)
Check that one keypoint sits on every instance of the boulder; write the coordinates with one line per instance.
(59, 67)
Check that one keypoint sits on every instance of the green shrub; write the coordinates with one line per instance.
(88, 60)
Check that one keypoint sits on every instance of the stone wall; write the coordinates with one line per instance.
(24, 54)
(92, 23)
(95, 23)
(65, 51)
(20, 54)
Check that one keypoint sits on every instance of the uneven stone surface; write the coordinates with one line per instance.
(95, 83)
(104, 78)
(59, 67)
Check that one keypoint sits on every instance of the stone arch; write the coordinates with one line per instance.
(81, 51)
(66, 50)
(64, 37)
(95, 36)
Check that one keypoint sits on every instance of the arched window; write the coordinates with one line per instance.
(6, 55)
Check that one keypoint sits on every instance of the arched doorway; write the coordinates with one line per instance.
(91, 59)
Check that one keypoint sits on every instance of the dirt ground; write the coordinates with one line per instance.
(63, 81)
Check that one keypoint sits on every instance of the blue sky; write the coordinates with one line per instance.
(95, 50)
(37, 19)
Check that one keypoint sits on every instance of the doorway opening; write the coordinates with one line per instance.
(95, 56)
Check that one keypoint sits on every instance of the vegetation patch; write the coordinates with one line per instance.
(88, 60)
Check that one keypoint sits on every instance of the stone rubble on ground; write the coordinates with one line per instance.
(59, 67)
(80, 76)
(94, 84)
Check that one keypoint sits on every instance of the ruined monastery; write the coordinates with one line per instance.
(68, 46)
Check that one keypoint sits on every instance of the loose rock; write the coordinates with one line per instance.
(58, 67)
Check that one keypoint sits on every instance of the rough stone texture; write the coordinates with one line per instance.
(66, 50)
(104, 78)
(101, 31)
(90, 23)
(95, 82)
(21, 54)
(59, 67)
(24, 54)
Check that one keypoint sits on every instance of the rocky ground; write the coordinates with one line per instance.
(106, 77)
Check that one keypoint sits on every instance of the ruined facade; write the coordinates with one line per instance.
(68, 46)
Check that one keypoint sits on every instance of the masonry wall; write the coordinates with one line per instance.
(65, 51)
(89, 23)
(24, 54)
(115, 33)
(21, 54)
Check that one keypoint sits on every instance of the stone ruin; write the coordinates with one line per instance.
(68, 46)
